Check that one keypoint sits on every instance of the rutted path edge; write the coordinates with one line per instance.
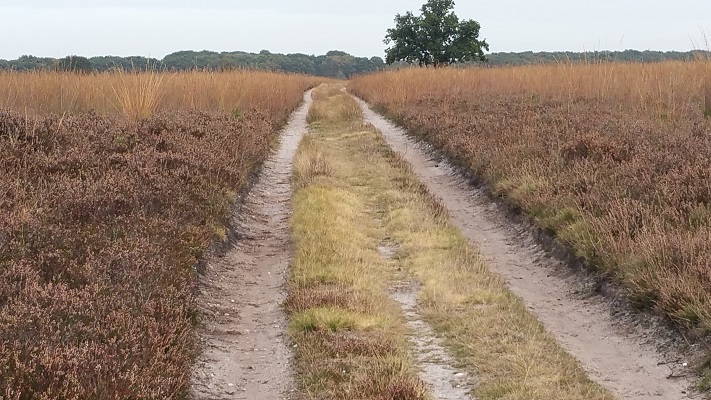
(245, 352)
(622, 361)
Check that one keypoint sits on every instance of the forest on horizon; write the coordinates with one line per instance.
(334, 64)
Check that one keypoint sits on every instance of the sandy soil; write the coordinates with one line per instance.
(620, 355)
(444, 381)
(245, 350)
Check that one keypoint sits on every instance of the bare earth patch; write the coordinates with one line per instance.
(620, 357)
(246, 355)
(443, 379)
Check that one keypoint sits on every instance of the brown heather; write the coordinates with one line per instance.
(103, 218)
(614, 159)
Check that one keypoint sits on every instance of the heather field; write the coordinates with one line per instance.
(613, 159)
(112, 187)
(358, 264)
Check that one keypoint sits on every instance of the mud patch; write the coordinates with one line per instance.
(621, 356)
(245, 351)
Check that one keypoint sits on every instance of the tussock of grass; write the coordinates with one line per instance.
(335, 320)
(310, 165)
(138, 95)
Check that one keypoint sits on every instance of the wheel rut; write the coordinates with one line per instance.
(245, 350)
(438, 372)
(621, 357)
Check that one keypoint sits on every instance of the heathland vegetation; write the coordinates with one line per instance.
(613, 159)
(118, 176)
(113, 187)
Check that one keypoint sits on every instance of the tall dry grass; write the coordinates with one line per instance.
(614, 159)
(139, 95)
(674, 88)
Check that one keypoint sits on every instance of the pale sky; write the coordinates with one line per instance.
(154, 28)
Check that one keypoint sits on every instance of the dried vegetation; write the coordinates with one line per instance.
(613, 159)
(111, 188)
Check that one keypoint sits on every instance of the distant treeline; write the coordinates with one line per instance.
(335, 64)
(529, 57)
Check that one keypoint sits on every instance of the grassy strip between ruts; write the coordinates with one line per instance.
(354, 194)
(350, 341)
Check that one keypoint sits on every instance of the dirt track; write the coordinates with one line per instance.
(620, 357)
(245, 351)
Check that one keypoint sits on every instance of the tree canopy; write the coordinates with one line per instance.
(436, 37)
(76, 64)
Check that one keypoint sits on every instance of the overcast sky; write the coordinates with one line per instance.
(157, 27)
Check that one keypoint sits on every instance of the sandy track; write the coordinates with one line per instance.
(620, 357)
(245, 351)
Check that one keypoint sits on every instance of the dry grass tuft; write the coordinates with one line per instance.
(139, 95)
(311, 164)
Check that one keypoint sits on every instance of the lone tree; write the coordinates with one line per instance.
(437, 37)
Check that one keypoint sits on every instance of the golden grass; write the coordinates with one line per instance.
(326, 112)
(139, 95)
(338, 279)
(670, 88)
